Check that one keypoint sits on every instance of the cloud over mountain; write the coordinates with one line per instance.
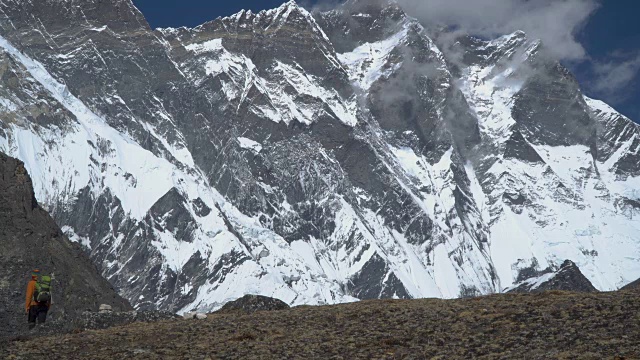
(554, 22)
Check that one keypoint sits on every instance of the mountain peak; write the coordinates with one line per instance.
(285, 7)
(516, 38)
(285, 10)
(290, 3)
(568, 278)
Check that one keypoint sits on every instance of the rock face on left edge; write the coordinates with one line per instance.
(29, 238)
(567, 278)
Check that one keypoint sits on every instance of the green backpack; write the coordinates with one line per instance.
(43, 290)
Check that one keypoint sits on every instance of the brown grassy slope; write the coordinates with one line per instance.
(514, 326)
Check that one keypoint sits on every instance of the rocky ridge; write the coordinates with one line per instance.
(545, 325)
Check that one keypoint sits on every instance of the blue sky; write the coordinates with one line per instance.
(607, 31)
(612, 35)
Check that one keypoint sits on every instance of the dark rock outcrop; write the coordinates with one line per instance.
(253, 303)
(29, 238)
(567, 278)
(633, 285)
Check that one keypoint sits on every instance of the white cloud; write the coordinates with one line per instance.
(614, 76)
(555, 22)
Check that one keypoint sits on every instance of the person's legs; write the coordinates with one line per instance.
(42, 313)
(33, 314)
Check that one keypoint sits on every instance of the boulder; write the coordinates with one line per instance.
(253, 303)
(189, 315)
(194, 315)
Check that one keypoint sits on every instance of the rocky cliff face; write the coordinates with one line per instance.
(567, 278)
(29, 238)
(315, 158)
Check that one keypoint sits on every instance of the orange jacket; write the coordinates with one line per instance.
(31, 289)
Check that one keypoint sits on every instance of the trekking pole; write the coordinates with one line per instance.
(53, 278)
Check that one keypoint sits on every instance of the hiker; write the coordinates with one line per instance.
(38, 300)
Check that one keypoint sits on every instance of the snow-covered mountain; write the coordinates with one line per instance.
(316, 158)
